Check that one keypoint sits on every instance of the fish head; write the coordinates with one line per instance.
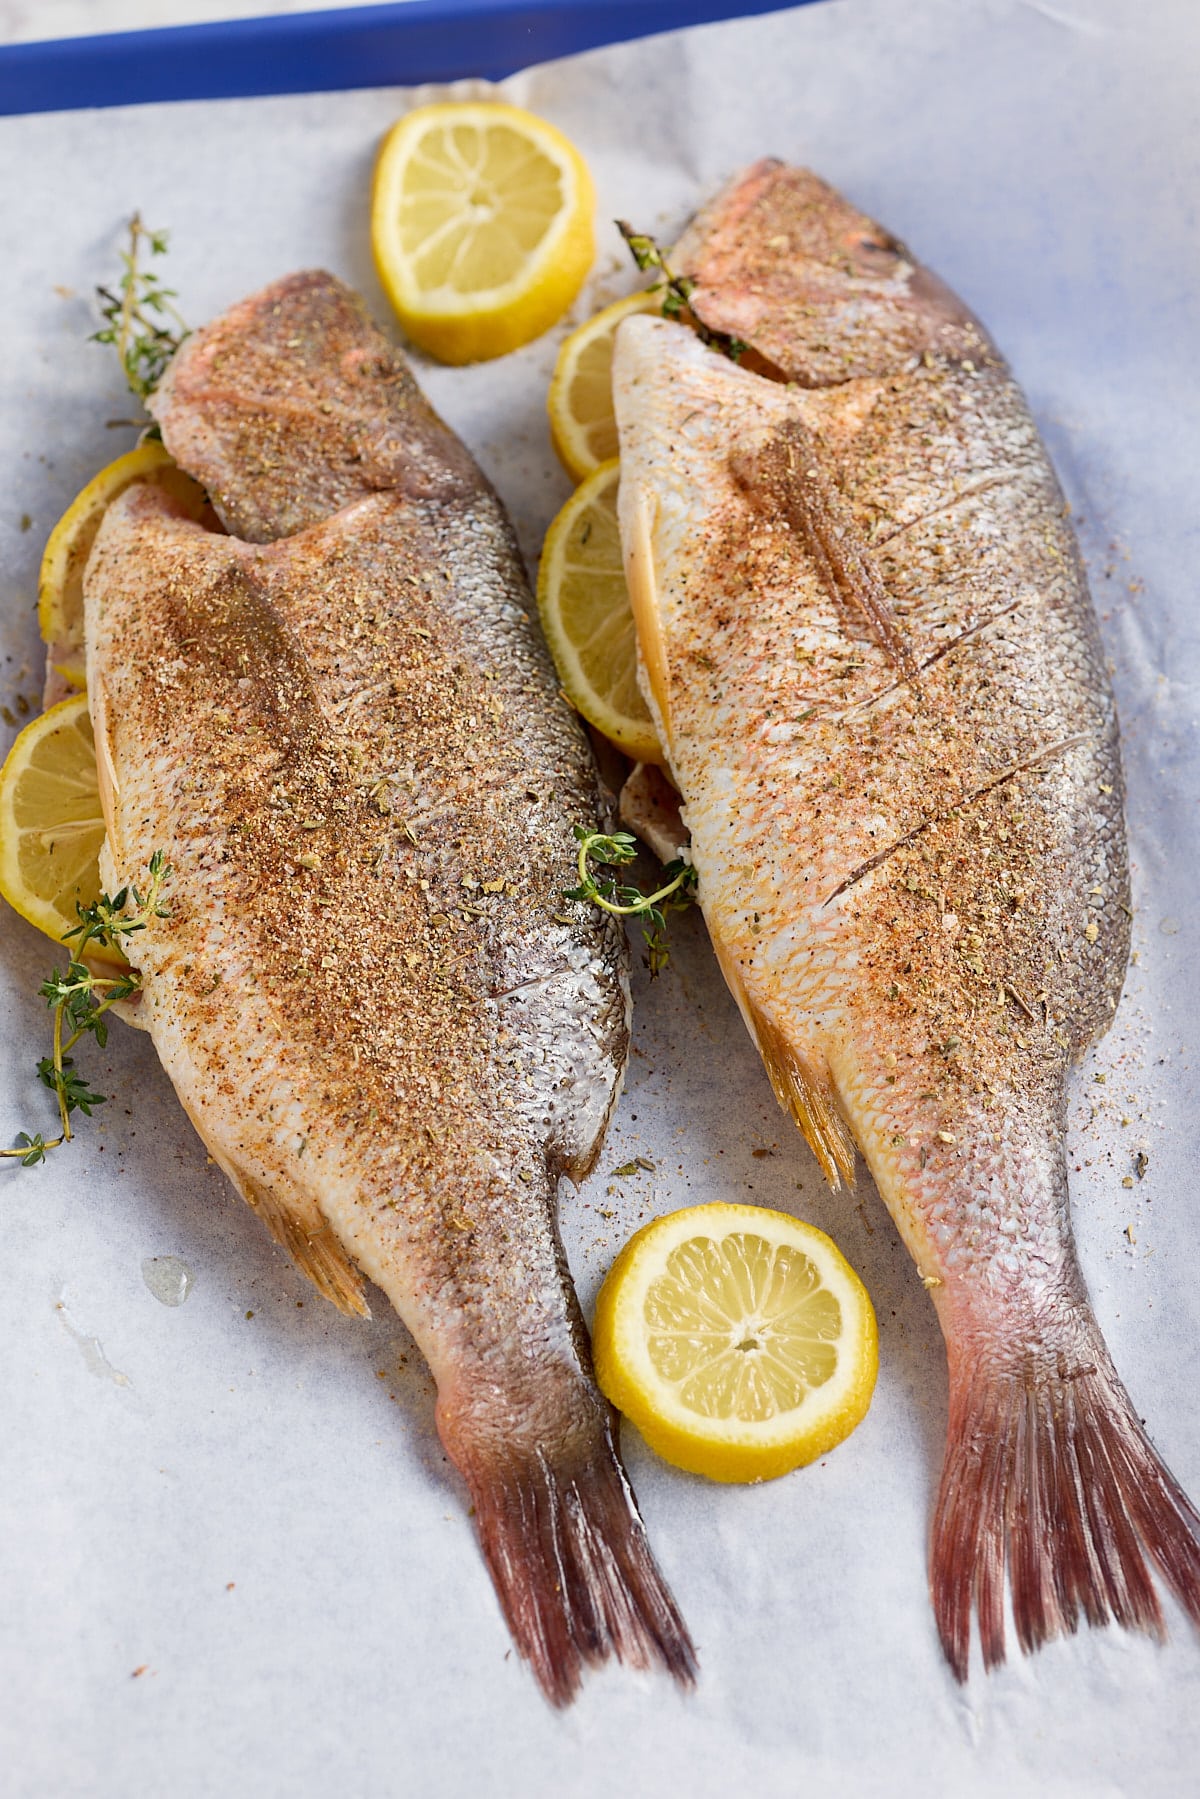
(818, 289)
(291, 406)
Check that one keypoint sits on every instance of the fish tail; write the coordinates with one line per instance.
(568, 1555)
(1050, 1477)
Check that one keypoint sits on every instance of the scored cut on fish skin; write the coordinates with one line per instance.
(867, 643)
(340, 726)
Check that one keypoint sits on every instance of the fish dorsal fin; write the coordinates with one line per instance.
(807, 1093)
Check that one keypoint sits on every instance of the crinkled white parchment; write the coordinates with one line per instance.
(232, 1558)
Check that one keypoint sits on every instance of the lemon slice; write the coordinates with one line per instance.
(60, 583)
(739, 1341)
(583, 427)
(587, 619)
(481, 225)
(51, 825)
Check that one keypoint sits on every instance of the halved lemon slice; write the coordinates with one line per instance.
(583, 427)
(481, 225)
(587, 619)
(60, 582)
(739, 1341)
(51, 825)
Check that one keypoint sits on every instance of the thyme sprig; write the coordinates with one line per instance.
(677, 291)
(81, 999)
(614, 851)
(142, 321)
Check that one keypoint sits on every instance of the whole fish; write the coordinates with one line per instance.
(867, 642)
(340, 727)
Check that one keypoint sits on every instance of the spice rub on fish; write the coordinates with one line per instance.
(340, 726)
(867, 642)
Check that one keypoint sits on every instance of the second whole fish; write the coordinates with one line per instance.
(867, 642)
(338, 725)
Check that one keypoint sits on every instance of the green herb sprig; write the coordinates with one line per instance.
(81, 999)
(614, 851)
(677, 291)
(141, 319)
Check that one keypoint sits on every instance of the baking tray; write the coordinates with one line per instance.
(364, 46)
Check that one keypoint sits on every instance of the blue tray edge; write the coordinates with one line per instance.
(365, 46)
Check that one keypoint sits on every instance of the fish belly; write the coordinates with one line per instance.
(338, 724)
(866, 639)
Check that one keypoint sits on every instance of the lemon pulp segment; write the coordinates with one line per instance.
(741, 1326)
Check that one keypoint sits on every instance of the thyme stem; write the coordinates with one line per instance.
(141, 320)
(630, 902)
(81, 999)
(97, 1012)
(645, 902)
(677, 291)
(64, 1113)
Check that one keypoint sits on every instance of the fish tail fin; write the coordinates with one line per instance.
(1050, 1476)
(568, 1555)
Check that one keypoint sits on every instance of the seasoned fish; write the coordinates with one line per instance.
(339, 725)
(868, 645)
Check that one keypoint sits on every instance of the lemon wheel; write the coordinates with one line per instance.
(738, 1340)
(583, 426)
(51, 825)
(481, 226)
(587, 619)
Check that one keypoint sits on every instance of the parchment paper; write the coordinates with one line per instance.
(232, 1557)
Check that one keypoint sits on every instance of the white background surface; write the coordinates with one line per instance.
(255, 1510)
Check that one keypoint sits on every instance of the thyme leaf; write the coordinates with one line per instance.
(80, 999)
(613, 851)
(31, 1150)
(141, 319)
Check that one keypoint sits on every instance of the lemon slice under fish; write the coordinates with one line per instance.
(60, 582)
(481, 225)
(739, 1341)
(587, 619)
(583, 426)
(51, 825)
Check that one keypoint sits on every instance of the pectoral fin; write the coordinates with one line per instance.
(637, 536)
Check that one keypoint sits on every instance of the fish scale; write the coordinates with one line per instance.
(338, 724)
(866, 640)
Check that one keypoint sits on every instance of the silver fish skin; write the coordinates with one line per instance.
(867, 641)
(338, 723)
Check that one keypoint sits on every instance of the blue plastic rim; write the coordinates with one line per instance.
(365, 46)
